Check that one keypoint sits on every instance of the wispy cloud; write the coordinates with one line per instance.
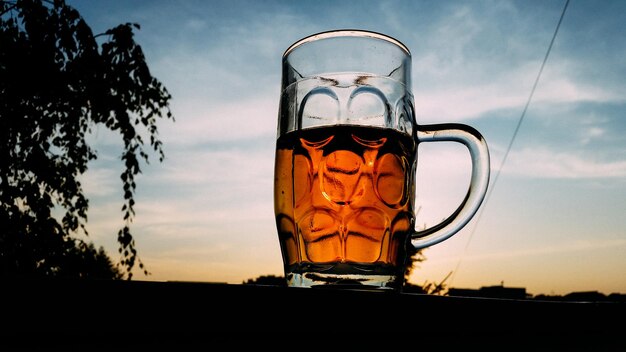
(205, 167)
(562, 247)
(101, 182)
(200, 122)
(542, 163)
(510, 90)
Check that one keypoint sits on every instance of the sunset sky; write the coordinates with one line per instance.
(555, 221)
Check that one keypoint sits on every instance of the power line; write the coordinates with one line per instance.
(508, 149)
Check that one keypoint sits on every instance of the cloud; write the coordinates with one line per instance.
(566, 247)
(461, 100)
(550, 250)
(201, 167)
(200, 122)
(542, 163)
(473, 60)
(560, 84)
(592, 134)
(101, 182)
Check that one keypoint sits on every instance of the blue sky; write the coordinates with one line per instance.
(555, 221)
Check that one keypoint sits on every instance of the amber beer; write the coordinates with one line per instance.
(344, 195)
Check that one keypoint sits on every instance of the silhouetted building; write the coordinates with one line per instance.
(585, 296)
(270, 280)
(544, 297)
(617, 297)
(498, 291)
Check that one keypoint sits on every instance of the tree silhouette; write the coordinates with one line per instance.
(57, 82)
(414, 258)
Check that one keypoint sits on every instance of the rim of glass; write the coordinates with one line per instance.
(346, 33)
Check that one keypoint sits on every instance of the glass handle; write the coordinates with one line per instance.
(479, 153)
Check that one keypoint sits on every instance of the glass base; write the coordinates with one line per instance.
(344, 275)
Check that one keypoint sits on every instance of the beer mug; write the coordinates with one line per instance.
(346, 163)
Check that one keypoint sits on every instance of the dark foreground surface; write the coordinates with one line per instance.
(123, 314)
